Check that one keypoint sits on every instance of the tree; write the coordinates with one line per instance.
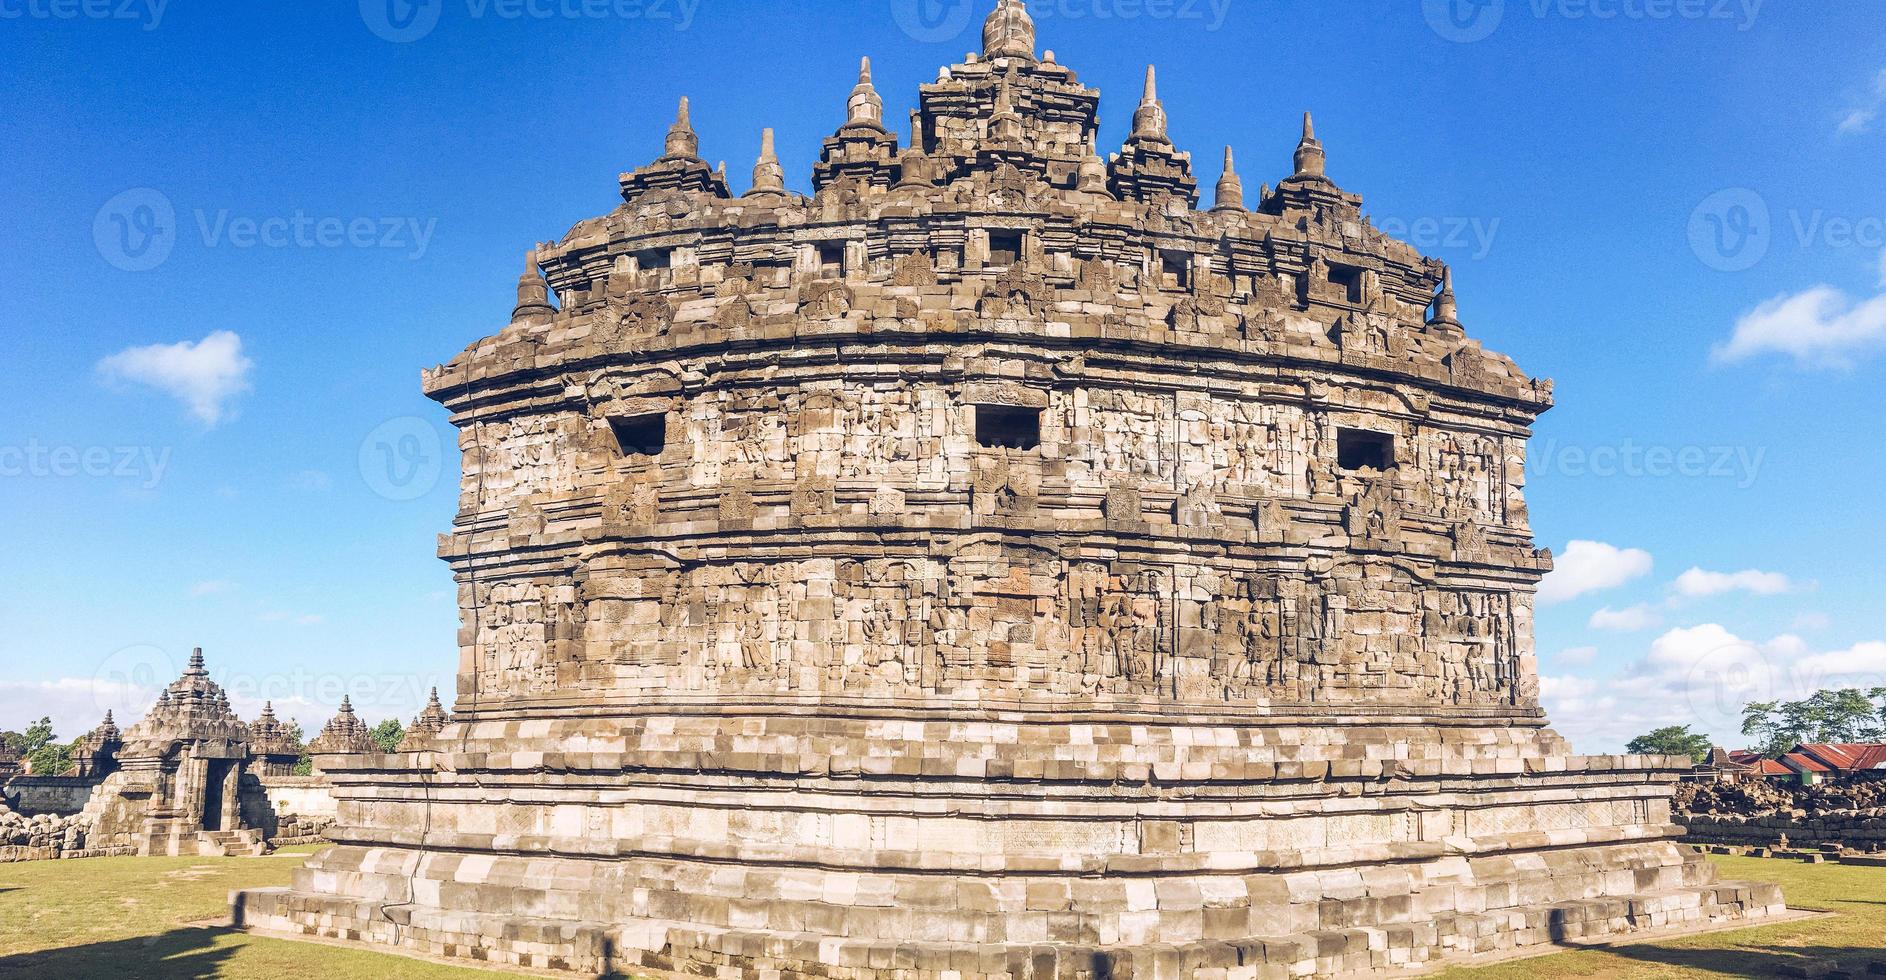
(40, 748)
(387, 735)
(1673, 740)
(1834, 715)
(304, 766)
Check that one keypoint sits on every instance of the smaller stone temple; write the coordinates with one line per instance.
(176, 780)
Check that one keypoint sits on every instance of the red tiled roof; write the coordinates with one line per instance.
(1769, 767)
(1800, 761)
(1846, 756)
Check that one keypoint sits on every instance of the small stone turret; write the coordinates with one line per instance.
(1230, 195)
(1445, 319)
(679, 169)
(345, 734)
(1309, 158)
(533, 294)
(769, 178)
(427, 726)
(1009, 32)
(96, 755)
(1149, 168)
(862, 149)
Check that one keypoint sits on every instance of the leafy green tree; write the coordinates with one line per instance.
(1673, 740)
(40, 748)
(387, 735)
(1833, 715)
(304, 766)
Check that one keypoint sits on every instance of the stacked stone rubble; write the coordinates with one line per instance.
(993, 566)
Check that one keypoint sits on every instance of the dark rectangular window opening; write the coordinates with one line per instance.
(654, 258)
(1005, 249)
(832, 260)
(1008, 427)
(1349, 280)
(1175, 270)
(1359, 449)
(641, 435)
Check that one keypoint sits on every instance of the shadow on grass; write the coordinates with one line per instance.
(1771, 961)
(180, 954)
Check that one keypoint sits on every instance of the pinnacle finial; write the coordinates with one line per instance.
(108, 720)
(1005, 125)
(1230, 187)
(347, 705)
(1149, 120)
(865, 107)
(1446, 309)
(434, 699)
(1309, 157)
(682, 141)
(1009, 32)
(768, 176)
(533, 295)
(196, 663)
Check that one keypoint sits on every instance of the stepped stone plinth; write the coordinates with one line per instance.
(993, 566)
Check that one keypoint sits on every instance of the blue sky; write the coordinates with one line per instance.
(1673, 207)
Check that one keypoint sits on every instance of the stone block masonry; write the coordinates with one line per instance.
(992, 566)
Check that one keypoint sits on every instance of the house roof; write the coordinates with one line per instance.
(1769, 767)
(1802, 762)
(1846, 756)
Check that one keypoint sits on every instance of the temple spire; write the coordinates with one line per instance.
(533, 294)
(1009, 32)
(196, 668)
(1309, 156)
(768, 176)
(1230, 187)
(1149, 120)
(1006, 125)
(682, 143)
(865, 107)
(1446, 310)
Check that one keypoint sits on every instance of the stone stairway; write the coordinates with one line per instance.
(230, 843)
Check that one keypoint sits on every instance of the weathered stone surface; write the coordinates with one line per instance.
(992, 566)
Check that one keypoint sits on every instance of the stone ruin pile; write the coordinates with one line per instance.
(994, 565)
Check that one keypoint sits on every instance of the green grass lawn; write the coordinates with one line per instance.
(1854, 937)
(143, 918)
(140, 918)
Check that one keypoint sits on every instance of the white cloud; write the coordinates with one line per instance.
(1631, 620)
(204, 375)
(1821, 327)
(1576, 656)
(1591, 566)
(1811, 621)
(213, 587)
(75, 704)
(1696, 583)
(1861, 117)
(1701, 676)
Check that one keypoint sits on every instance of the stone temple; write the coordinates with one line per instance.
(995, 565)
